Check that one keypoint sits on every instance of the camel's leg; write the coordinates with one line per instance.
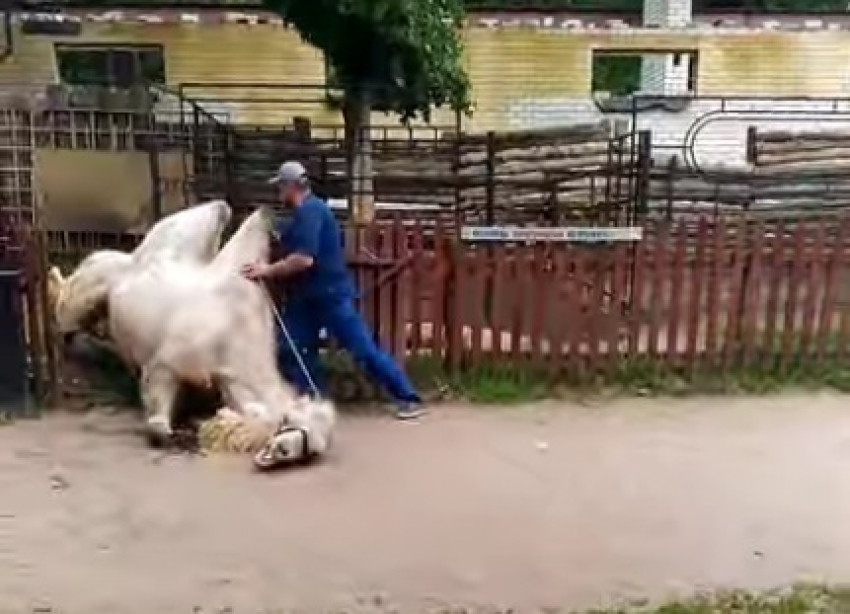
(159, 392)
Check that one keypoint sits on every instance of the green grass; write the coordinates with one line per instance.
(803, 599)
(503, 384)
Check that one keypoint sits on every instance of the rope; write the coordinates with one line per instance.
(291, 342)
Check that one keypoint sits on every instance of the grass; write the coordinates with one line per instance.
(802, 599)
(503, 384)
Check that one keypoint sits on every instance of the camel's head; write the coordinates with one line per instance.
(307, 432)
(80, 299)
(305, 435)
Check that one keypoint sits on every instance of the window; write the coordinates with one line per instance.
(616, 74)
(620, 73)
(114, 66)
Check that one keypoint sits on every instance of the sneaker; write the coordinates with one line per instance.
(409, 411)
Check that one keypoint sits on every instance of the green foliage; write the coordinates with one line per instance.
(802, 599)
(403, 55)
(617, 74)
(496, 383)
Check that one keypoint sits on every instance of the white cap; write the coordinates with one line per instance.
(290, 171)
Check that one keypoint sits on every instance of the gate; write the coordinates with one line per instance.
(627, 179)
(14, 380)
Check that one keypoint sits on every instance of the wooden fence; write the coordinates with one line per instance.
(705, 295)
(713, 294)
(499, 176)
(792, 175)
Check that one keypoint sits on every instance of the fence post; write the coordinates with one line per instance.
(47, 324)
(644, 161)
(41, 345)
(456, 164)
(752, 147)
(670, 192)
(490, 189)
(744, 243)
(490, 178)
(156, 180)
(451, 298)
(196, 156)
(229, 184)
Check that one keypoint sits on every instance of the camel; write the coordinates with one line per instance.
(183, 313)
(192, 235)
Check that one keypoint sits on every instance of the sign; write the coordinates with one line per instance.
(568, 234)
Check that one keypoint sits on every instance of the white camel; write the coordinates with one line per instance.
(181, 317)
(192, 235)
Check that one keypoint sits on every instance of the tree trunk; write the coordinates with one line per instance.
(357, 113)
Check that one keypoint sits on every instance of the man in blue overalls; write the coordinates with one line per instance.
(320, 294)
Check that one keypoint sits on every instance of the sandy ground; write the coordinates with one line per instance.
(531, 508)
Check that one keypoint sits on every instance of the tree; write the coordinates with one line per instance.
(404, 56)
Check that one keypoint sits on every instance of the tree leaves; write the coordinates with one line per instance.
(406, 56)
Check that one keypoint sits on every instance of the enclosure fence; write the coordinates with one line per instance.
(716, 295)
(735, 267)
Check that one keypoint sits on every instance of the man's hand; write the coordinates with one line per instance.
(256, 271)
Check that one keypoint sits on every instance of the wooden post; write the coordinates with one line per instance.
(490, 187)
(156, 179)
(456, 180)
(490, 217)
(752, 145)
(671, 187)
(644, 175)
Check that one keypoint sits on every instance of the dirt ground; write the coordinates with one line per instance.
(531, 508)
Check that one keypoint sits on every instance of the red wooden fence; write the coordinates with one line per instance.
(719, 296)
(691, 295)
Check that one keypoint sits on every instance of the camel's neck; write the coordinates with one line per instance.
(86, 291)
(96, 278)
(250, 244)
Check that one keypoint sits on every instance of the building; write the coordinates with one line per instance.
(703, 81)
(528, 69)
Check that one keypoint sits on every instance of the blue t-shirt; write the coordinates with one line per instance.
(313, 231)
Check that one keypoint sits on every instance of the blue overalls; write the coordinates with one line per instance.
(323, 297)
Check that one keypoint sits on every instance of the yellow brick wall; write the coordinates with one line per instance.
(506, 65)
(513, 64)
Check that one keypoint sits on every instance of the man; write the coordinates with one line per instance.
(320, 294)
